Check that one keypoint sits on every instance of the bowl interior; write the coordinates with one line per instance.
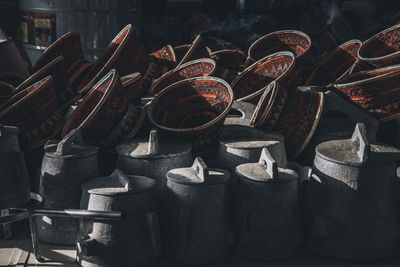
(191, 104)
(383, 44)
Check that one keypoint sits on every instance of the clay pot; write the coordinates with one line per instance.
(335, 65)
(192, 108)
(31, 106)
(125, 53)
(251, 83)
(197, 50)
(351, 190)
(196, 68)
(229, 63)
(100, 110)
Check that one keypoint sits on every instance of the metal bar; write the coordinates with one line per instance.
(84, 214)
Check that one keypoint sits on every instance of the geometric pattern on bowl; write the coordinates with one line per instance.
(335, 64)
(251, 83)
(100, 110)
(193, 108)
(191, 69)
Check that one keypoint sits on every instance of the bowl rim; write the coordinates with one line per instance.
(197, 128)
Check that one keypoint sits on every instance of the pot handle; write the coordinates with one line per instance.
(123, 179)
(184, 224)
(74, 136)
(360, 136)
(153, 146)
(201, 168)
(271, 165)
(154, 230)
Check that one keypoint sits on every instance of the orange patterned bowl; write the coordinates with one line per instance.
(132, 86)
(251, 83)
(193, 108)
(100, 110)
(196, 68)
(335, 65)
(30, 106)
(125, 53)
(382, 49)
(196, 50)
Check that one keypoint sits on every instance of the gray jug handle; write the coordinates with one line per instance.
(73, 137)
(154, 230)
(184, 224)
(123, 179)
(244, 221)
(271, 165)
(153, 146)
(200, 168)
(360, 136)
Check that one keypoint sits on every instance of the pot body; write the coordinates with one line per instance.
(155, 168)
(196, 223)
(350, 211)
(266, 220)
(133, 241)
(14, 179)
(60, 185)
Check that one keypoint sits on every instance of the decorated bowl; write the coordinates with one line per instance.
(132, 86)
(99, 112)
(251, 83)
(196, 68)
(193, 108)
(229, 63)
(125, 53)
(197, 49)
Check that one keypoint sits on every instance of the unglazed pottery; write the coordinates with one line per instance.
(196, 68)
(335, 64)
(229, 63)
(251, 83)
(193, 108)
(30, 106)
(125, 53)
(100, 110)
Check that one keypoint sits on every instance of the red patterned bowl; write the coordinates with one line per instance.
(31, 106)
(251, 83)
(195, 68)
(125, 53)
(197, 49)
(229, 63)
(165, 56)
(366, 74)
(180, 51)
(132, 86)
(296, 42)
(193, 108)
(127, 128)
(298, 119)
(100, 110)
(382, 49)
(373, 93)
(335, 65)
(69, 45)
